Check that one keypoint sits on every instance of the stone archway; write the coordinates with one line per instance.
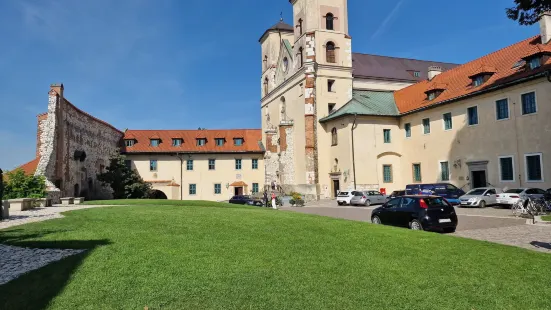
(157, 194)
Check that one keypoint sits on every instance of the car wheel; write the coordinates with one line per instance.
(415, 225)
(367, 203)
(449, 230)
(339, 203)
(482, 204)
(376, 220)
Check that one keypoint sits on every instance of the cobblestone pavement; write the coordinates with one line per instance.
(15, 261)
(38, 215)
(489, 224)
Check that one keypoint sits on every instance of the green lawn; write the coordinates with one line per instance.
(220, 257)
(546, 218)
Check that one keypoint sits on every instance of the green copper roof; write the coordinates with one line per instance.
(367, 102)
(288, 46)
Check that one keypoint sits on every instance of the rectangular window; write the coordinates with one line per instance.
(387, 173)
(129, 142)
(219, 142)
(189, 165)
(528, 103)
(201, 141)
(416, 172)
(176, 142)
(535, 63)
(255, 188)
(416, 74)
(238, 141)
(217, 189)
(386, 135)
(534, 171)
(331, 107)
(155, 142)
(431, 96)
(153, 165)
(506, 169)
(407, 128)
(472, 114)
(478, 80)
(444, 171)
(238, 164)
(255, 163)
(502, 109)
(426, 126)
(447, 121)
(192, 189)
(128, 164)
(330, 84)
(212, 164)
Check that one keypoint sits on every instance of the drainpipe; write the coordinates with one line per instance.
(353, 157)
(181, 175)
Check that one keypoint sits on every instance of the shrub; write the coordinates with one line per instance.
(20, 185)
(125, 182)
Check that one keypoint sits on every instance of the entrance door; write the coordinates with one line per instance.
(238, 191)
(336, 187)
(479, 179)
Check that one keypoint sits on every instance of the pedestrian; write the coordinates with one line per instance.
(265, 198)
(274, 201)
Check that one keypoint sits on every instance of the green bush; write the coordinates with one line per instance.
(125, 182)
(19, 185)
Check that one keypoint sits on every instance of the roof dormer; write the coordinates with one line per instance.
(434, 90)
(538, 57)
(482, 75)
(154, 140)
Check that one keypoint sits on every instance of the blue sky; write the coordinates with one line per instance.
(183, 64)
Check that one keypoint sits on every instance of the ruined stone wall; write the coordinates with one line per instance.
(311, 188)
(73, 148)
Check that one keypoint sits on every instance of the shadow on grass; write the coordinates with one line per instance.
(36, 289)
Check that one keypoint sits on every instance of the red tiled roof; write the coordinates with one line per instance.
(251, 138)
(239, 184)
(30, 167)
(459, 84)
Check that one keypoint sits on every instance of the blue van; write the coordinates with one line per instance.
(446, 190)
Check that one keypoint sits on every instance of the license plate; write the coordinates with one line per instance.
(444, 221)
(463, 202)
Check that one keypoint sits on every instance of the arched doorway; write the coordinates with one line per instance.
(157, 194)
(76, 192)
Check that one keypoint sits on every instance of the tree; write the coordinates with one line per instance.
(19, 185)
(528, 12)
(125, 182)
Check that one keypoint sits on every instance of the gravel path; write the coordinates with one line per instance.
(38, 215)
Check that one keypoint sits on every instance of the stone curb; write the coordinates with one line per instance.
(538, 222)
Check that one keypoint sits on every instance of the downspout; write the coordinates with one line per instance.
(181, 176)
(353, 156)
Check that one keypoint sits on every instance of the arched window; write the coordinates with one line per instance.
(266, 86)
(285, 64)
(301, 60)
(330, 52)
(282, 110)
(299, 26)
(329, 18)
(334, 139)
(265, 62)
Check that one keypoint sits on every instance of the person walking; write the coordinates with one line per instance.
(265, 199)
(274, 201)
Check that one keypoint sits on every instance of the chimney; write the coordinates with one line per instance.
(434, 71)
(58, 88)
(545, 27)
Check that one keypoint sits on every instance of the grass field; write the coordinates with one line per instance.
(546, 218)
(222, 257)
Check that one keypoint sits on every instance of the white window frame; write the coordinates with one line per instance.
(423, 127)
(444, 121)
(526, 168)
(520, 101)
(499, 169)
(508, 108)
(477, 116)
(440, 171)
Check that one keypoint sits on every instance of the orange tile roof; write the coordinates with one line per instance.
(251, 143)
(30, 167)
(239, 184)
(458, 83)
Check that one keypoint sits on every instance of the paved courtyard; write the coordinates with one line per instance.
(489, 224)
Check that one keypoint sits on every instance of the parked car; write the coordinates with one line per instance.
(367, 198)
(246, 200)
(343, 198)
(510, 196)
(395, 194)
(420, 212)
(445, 190)
(480, 197)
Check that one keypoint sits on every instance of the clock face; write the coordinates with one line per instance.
(285, 64)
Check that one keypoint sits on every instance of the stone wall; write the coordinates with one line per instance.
(73, 148)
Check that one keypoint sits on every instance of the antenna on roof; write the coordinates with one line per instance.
(281, 16)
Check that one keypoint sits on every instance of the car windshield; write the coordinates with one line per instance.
(435, 202)
(476, 192)
(514, 191)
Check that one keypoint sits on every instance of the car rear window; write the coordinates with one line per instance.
(436, 202)
(514, 191)
(343, 194)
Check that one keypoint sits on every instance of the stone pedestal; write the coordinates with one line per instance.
(78, 200)
(67, 201)
(44, 202)
(21, 204)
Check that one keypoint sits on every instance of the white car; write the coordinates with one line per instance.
(368, 198)
(509, 197)
(480, 197)
(343, 198)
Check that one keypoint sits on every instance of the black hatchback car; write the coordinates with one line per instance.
(417, 213)
(246, 200)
